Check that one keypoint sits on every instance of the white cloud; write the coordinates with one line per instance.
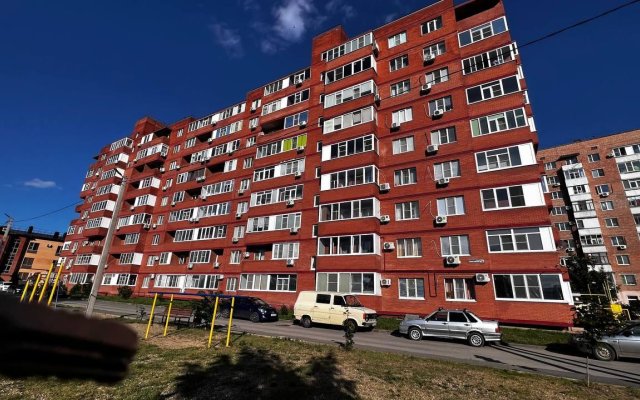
(249, 5)
(293, 18)
(40, 184)
(340, 6)
(389, 17)
(229, 39)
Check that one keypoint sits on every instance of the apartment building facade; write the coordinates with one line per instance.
(27, 252)
(595, 192)
(399, 166)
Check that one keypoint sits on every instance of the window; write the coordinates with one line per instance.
(593, 157)
(156, 240)
(563, 226)
(348, 120)
(274, 222)
(397, 39)
(597, 258)
(631, 184)
(348, 70)
(623, 259)
(350, 147)
(437, 76)
(430, 26)
(281, 146)
(347, 47)
(411, 288)
(296, 119)
(558, 211)
(483, 31)
(591, 240)
(399, 63)
(32, 247)
(345, 282)
(410, 247)
(447, 169)
(493, 89)
(285, 251)
(549, 165)
(597, 173)
(451, 205)
(518, 239)
(444, 136)
(444, 104)
(489, 59)
(232, 283)
(434, 50)
(351, 244)
(351, 177)
(349, 210)
(400, 88)
(628, 279)
(507, 197)
(507, 157)
(500, 122)
(199, 256)
(606, 205)
(269, 282)
(203, 281)
(27, 262)
(165, 258)
(407, 210)
(401, 116)
(611, 222)
(407, 176)
(618, 241)
(236, 255)
(459, 289)
(629, 167)
(626, 151)
(455, 245)
(528, 287)
(247, 163)
(350, 93)
(403, 145)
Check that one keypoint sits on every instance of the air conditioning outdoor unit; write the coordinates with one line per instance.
(210, 140)
(238, 214)
(374, 48)
(240, 191)
(194, 219)
(290, 202)
(200, 179)
(385, 187)
(190, 266)
(395, 126)
(426, 87)
(293, 230)
(556, 185)
(146, 226)
(132, 208)
(173, 204)
(442, 181)
(437, 113)
(377, 98)
(297, 81)
(303, 124)
(298, 174)
(247, 254)
(604, 194)
(388, 246)
(482, 278)
(216, 265)
(290, 262)
(254, 108)
(161, 169)
(433, 148)
(152, 276)
(385, 282)
(570, 249)
(178, 166)
(164, 188)
(300, 149)
(428, 57)
(154, 226)
(567, 207)
(622, 247)
(385, 218)
(203, 196)
(452, 260)
(441, 219)
(611, 155)
(235, 239)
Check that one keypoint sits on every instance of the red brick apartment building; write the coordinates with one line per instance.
(595, 191)
(399, 166)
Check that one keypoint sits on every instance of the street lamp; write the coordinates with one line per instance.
(97, 279)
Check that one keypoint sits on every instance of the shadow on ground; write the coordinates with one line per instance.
(259, 374)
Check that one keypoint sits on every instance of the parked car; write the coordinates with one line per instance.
(623, 343)
(5, 287)
(451, 324)
(334, 309)
(251, 308)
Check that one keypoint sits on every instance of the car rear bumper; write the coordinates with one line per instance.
(492, 337)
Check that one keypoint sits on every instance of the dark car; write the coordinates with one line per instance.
(251, 308)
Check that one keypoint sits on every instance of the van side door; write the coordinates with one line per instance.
(322, 308)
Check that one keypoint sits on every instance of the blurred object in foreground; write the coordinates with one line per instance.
(38, 341)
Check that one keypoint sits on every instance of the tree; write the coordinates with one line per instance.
(125, 292)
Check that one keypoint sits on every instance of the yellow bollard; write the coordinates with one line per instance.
(213, 321)
(24, 291)
(46, 282)
(233, 302)
(153, 308)
(166, 324)
(54, 288)
(35, 287)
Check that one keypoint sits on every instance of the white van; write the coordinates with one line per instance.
(333, 309)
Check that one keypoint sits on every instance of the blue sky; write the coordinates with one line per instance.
(75, 75)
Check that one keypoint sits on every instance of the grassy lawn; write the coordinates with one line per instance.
(180, 367)
(146, 300)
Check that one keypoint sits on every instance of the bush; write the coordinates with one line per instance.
(125, 292)
(203, 310)
(80, 291)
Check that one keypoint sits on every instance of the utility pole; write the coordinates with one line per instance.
(5, 235)
(97, 279)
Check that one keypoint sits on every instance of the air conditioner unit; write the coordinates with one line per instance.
(162, 169)
(164, 188)
(86, 242)
(571, 223)
(297, 81)
(240, 191)
(441, 219)
(260, 133)
(235, 239)
(294, 230)
(428, 57)
(154, 226)
(178, 166)
(230, 151)
(146, 226)
(442, 181)
(384, 187)
(570, 249)
(482, 278)
(604, 194)
(452, 260)
(152, 276)
(216, 265)
(173, 204)
(567, 207)
(385, 282)
(433, 148)
(200, 179)
(388, 246)
(190, 266)
(290, 202)
(300, 149)
(247, 254)
(238, 214)
(556, 185)
(395, 126)
(254, 108)
(376, 98)
(374, 48)
(210, 140)
(298, 174)
(385, 218)
(425, 87)
(437, 113)
(203, 196)
(132, 208)
(611, 155)
(290, 262)
(622, 247)
(194, 219)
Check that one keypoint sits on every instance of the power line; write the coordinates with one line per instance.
(50, 212)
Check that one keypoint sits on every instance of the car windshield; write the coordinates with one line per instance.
(352, 301)
(260, 302)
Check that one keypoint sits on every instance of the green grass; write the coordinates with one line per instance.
(181, 367)
(145, 300)
(388, 324)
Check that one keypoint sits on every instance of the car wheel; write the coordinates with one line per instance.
(351, 325)
(305, 322)
(415, 333)
(604, 352)
(225, 313)
(254, 317)
(476, 340)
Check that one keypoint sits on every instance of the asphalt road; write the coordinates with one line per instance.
(533, 359)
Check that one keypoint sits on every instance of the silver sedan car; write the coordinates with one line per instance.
(453, 324)
(624, 343)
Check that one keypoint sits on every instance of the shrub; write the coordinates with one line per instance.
(80, 291)
(125, 292)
